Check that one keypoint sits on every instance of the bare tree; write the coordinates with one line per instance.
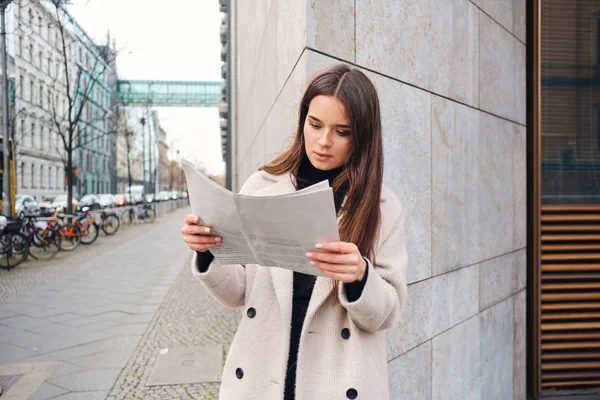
(75, 84)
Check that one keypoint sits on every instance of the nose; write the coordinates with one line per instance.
(325, 140)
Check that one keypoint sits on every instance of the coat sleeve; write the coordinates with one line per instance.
(384, 295)
(226, 283)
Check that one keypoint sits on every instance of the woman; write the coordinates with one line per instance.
(308, 338)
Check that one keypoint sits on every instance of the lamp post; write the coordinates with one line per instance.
(6, 206)
(143, 122)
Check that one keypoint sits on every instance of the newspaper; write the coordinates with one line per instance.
(273, 231)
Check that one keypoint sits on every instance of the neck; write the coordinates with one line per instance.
(308, 174)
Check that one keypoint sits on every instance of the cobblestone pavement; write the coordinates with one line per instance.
(91, 311)
(189, 317)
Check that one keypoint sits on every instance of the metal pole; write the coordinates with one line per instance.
(150, 124)
(6, 206)
(143, 122)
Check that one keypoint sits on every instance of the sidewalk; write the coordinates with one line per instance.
(91, 318)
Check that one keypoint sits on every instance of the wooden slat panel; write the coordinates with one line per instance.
(570, 296)
(571, 345)
(571, 336)
(571, 356)
(570, 218)
(571, 276)
(570, 208)
(571, 286)
(570, 237)
(570, 267)
(570, 306)
(571, 365)
(582, 383)
(570, 228)
(570, 257)
(564, 317)
(570, 247)
(570, 326)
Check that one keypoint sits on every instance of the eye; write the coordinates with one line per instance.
(314, 126)
(343, 133)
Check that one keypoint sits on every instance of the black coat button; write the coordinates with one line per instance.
(351, 394)
(239, 373)
(251, 312)
(346, 333)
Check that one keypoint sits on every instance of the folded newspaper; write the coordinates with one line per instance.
(273, 231)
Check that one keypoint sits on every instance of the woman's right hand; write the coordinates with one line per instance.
(198, 237)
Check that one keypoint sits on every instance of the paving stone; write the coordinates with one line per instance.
(47, 391)
(88, 380)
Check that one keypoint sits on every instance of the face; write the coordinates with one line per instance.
(327, 136)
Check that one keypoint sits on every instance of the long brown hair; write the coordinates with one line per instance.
(361, 178)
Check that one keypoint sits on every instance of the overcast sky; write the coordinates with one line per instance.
(166, 40)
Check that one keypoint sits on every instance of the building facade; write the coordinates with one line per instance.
(451, 78)
(35, 46)
(41, 102)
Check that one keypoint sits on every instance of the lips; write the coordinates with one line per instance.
(322, 155)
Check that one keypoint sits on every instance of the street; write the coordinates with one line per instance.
(89, 324)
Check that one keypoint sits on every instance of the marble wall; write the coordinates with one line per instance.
(451, 79)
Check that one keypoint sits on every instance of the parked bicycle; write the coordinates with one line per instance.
(14, 246)
(83, 226)
(44, 241)
(109, 222)
(146, 213)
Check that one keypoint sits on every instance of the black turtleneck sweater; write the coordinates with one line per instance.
(303, 284)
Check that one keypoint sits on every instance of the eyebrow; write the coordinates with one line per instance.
(318, 120)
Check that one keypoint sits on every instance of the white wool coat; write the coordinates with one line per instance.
(331, 365)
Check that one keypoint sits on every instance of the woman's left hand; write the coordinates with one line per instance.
(344, 263)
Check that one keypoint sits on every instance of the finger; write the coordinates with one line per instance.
(202, 247)
(196, 230)
(339, 247)
(198, 239)
(334, 258)
(192, 219)
(340, 277)
(337, 268)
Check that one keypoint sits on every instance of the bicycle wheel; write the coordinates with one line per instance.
(44, 244)
(70, 237)
(111, 224)
(92, 233)
(14, 248)
(149, 215)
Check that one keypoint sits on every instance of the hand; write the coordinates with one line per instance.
(198, 237)
(344, 264)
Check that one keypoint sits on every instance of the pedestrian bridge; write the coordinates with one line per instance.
(169, 93)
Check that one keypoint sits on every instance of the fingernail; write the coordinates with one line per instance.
(217, 239)
(207, 230)
(318, 245)
(196, 220)
(312, 263)
(309, 255)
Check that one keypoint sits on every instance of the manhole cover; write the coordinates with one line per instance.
(7, 381)
(176, 366)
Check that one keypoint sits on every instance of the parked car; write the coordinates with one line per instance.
(60, 203)
(120, 200)
(136, 194)
(26, 204)
(46, 207)
(149, 198)
(174, 195)
(107, 200)
(163, 196)
(89, 202)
